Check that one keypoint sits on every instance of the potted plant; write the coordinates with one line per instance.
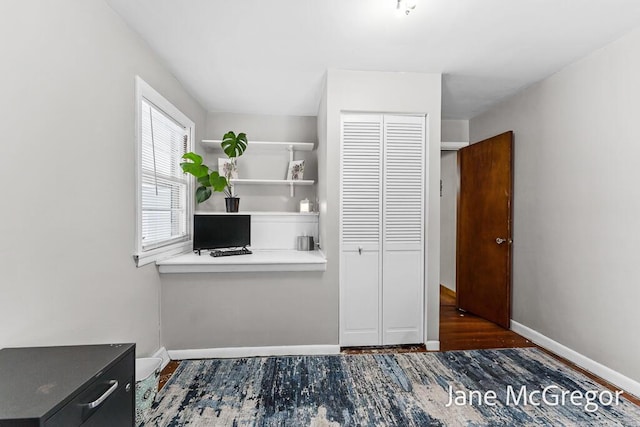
(210, 181)
(233, 146)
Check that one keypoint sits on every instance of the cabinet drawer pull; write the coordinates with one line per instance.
(101, 399)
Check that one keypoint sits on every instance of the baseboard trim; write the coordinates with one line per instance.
(233, 352)
(164, 355)
(433, 345)
(616, 378)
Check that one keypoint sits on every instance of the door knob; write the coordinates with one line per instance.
(501, 241)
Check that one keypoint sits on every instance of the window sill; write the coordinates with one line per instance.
(259, 261)
(159, 254)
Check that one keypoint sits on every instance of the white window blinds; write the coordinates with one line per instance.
(164, 194)
(164, 185)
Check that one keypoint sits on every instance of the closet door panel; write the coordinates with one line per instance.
(402, 298)
(360, 299)
(403, 229)
(360, 229)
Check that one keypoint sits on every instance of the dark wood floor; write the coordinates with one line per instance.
(167, 373)
(464, 331)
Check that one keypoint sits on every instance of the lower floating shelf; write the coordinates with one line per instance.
(273, 181)
(290, 182)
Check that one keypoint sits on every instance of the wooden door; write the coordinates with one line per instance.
(483, 249)
(403, 230)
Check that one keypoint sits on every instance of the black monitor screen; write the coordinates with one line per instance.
(221, 231)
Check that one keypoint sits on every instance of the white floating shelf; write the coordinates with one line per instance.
(290, 182)
(452, 146)
(273, 181)
(214, 145)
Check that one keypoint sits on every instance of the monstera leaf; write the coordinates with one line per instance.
(233, 145)
(195, 167)
(202, 194)
(209, 181)
(204, 181)
(217, 182)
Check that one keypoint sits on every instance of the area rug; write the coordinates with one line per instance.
(512, 387)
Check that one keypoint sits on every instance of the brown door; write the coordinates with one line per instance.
(483, 248)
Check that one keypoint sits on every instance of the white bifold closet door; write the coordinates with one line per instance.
(361, 230)
(382, 229)
(403, 232)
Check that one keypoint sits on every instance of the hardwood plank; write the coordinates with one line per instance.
(464, 331)
(167, 373)
(409, 348)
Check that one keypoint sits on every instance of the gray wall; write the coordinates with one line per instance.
(260, 127)
(67, 174)
(381, 92)
(246, 310)
(263, 164)
(455, 130)
(448, 210)
(577, 204)
(452, 131)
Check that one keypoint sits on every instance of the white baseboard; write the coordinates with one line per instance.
(433, 345)
(616, 378)
(164, 355)
(233, 352)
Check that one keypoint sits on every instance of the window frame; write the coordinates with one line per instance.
(146, 256)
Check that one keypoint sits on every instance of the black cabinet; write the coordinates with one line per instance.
(89, 385)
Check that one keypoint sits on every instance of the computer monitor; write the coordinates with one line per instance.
(221, 231)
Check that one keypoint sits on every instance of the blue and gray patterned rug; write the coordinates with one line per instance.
(513, 387)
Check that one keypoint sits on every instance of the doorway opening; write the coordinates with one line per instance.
(476, 192)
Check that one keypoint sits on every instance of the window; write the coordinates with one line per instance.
(164, 193)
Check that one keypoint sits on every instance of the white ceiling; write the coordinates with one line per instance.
(269, 56)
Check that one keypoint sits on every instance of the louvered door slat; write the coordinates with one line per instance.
(361, 180)
(404, 176)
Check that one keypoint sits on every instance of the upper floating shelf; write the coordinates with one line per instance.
(214, 145)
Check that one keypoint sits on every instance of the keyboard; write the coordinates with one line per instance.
(229, 252)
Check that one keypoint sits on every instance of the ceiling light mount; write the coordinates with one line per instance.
(406, 6)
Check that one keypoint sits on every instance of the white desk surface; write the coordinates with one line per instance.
(259, 260)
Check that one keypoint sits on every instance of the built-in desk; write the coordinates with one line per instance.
(259, 260)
